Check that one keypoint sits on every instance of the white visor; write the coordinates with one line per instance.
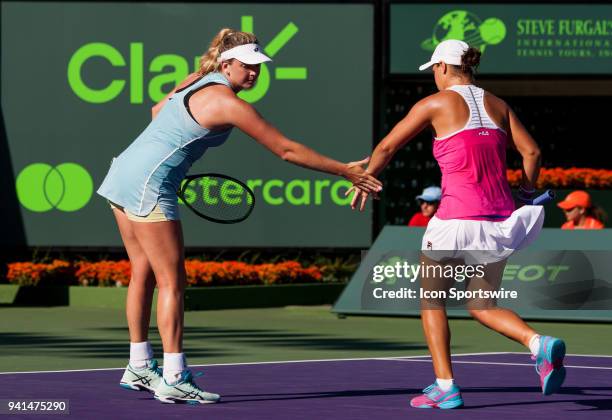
(247, 54)
(449, 51)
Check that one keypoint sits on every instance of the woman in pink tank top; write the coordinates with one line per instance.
(476, 223)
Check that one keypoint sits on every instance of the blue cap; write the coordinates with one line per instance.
(430, 194)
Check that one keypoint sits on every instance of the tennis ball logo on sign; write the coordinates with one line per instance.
(67, 187)
(175, 68)
(466, 26)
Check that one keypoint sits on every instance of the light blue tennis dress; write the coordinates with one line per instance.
(151, 169)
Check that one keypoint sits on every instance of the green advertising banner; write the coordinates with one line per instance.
(79, 80)
(514, 38)
(544, 281)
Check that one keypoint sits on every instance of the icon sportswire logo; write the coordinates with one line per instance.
(165, 69)
(466, 26)
(42, 187)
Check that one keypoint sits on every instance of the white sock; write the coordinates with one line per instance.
(174, 365)
(140, 354)
(445, 384)
(534, 344)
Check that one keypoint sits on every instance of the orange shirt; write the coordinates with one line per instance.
(590, 223)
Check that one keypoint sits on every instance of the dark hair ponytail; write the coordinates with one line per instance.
(598, 213)
(470, 60)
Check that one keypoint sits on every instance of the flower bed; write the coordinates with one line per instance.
(103, 273)
(566, 178)
(40, 274)
(203, 273)
(199, 273)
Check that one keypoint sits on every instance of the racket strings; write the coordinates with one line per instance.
(217, 198)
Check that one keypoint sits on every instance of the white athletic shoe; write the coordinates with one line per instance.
(145, 379)
(185, 391)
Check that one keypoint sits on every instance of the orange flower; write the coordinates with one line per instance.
(103, 273)
(566, 178)
(33, 274)
(199, 273)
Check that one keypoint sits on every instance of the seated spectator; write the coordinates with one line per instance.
(429, 201)
(580, 212)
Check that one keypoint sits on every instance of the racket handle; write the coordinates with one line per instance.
(541, 199)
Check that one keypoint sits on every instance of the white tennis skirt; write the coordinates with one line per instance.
(490, 241)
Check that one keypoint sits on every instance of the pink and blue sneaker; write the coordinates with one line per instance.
(549, 364)
(434, 397)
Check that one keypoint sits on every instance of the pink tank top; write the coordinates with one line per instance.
(473, 165)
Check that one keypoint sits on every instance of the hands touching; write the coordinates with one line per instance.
(359, 194)
(356, 173)
(364, 184)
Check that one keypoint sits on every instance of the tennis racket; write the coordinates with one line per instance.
(541, 199)
(217, 198)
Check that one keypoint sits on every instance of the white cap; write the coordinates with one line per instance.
(247, 53)
(449, 51)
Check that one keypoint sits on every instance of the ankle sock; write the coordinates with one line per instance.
(445, 384)
(534, 344)
(140, 354)
(174, 365)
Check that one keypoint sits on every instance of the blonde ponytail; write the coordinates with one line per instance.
(226, 39)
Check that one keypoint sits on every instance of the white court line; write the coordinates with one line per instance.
(60, 371)
(502, 364)
(301, 361)
(248, 363)
(453, 355)
(391, 358)
(568, 354)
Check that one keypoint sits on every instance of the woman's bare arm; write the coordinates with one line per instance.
(528, 148)
(417, 119)
(242, 115)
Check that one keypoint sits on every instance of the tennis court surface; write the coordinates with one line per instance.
(494, 385)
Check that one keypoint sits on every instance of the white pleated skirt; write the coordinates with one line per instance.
(480, 241)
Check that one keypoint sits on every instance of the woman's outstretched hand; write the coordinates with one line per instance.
(356, 173)
(359, 195)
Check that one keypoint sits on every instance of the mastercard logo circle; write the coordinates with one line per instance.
(66, 187)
